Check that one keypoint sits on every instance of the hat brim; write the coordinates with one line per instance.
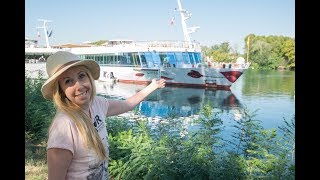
(93, 67)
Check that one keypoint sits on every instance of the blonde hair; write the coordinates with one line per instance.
(82, 120)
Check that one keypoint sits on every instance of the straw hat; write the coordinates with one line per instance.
(59, 62)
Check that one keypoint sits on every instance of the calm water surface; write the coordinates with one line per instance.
(269, 93)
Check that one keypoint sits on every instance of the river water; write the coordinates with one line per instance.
(270, 95)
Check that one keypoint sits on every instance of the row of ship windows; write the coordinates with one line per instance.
(147, 59)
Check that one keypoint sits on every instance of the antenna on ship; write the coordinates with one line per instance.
(185, 15)
(44, 27)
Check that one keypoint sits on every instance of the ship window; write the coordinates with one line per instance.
(123, 60)
(163, 58)
(111, 59)
(128, 59)
(108, 59)
(143, 60)
(149, 60)
(179, 57)
(135, 59)
(99, 59)
(186, 58)
(192, 60)
(156, 59)
(104, 59)
(197, 57)
(171, 58)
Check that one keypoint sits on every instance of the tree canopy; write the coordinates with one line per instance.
(265, 52)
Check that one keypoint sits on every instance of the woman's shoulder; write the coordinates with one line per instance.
(100, 100)
(61, 115)
(62, 119)
(101, 103)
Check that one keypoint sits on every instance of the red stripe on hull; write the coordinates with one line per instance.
(166, 78)
(139, 74)
(133, 81)
(202, 86)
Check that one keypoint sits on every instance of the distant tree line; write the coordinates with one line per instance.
(99, 43)
(265, 52)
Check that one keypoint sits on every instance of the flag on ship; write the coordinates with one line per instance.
(172, 20)
(173, 17)
(49, 33)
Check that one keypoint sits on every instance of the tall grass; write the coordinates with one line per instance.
(35, 162)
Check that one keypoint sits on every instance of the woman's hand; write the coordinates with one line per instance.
(158, 83)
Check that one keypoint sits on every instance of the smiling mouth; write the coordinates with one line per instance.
(82, 94)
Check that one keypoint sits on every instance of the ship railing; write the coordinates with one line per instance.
(123, 65)
(164, 44)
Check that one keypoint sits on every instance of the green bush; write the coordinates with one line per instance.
(38, 111)
(170, 151)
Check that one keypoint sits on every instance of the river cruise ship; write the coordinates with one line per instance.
(180, 63)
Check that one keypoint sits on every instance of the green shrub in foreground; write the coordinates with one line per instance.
(38, 111)
(163, 153)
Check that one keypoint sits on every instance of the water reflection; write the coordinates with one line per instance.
(271, 82)
(171, 101)
(257, 95)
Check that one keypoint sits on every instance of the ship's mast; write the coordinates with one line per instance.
(44, 27)
(185, 15)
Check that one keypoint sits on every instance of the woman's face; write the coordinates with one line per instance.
(75, 83)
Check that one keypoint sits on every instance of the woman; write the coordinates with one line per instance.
(77, 145)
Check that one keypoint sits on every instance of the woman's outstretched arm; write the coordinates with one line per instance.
(117, 107)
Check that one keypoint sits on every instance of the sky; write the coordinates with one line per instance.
(77, 21)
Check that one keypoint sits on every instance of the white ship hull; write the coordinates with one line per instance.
(203, 77)
(186, 77)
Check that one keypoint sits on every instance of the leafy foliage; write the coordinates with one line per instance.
(171, 150)
(265, 52)
(38, 111)
(99, 43)
(263, 150)
(219, 53)
(271, 52)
